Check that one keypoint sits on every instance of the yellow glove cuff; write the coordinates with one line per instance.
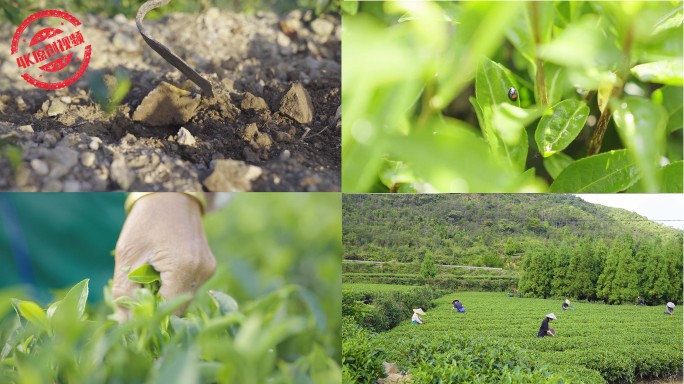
(133, 198)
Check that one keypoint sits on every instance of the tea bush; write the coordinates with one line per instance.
(380, 310)
(565, 96)
(361, 357)
(471, 283)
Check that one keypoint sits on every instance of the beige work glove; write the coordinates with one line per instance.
(164, 230)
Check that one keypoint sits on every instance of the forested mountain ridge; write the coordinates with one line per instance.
(464, 229)
(547, 245)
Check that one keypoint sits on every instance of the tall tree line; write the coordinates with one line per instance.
(621, 272)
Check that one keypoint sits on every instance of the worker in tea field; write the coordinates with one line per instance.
(416, 319)
(669, 308)
(565, 305)
(544, 330)
(53, 240)
(458, 306)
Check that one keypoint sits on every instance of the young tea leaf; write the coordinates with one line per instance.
(32, 312)
(492, 85)
(555, 164)
(671, 178)
(75, 300)
(225, 303)
(641, 125)
(662, 72)
(670, 98)
(608, 172)
(556, 131)
(145, 274)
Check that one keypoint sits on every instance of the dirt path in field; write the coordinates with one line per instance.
(394, 376)
(259, 132)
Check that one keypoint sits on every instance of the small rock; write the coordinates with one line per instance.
(283, 137)
(120, 18)
(56, 108)
(285, 155)
(249, 155)
(87, 159)
(297, 104)
(26, 128)
(39, 167)
(283, 40)
(66, 100)
(253, 103)
(124, 42)
(258, 140)
(322, 27)
(52, 185)
(21, 104)
(120, 173)
(51, 137)
(72, 186)
(184, 137)
(61, 160)
(167, 105)
(95, 143)
(231, 176)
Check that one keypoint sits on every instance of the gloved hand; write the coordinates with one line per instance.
(164, 230)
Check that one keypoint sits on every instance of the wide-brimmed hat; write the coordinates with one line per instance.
(551, 316)
(567, 301)
(419, 311)
(670, 305)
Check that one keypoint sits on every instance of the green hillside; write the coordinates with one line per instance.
(542, 245)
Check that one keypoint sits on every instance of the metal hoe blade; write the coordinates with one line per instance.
(166, 53)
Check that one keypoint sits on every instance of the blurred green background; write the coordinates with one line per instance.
(14, 11)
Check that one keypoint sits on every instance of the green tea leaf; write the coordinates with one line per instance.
(554, 76)
(672, 19)
(145, 274)
(225, 303)
(492, 84)
(671, 178)
(349, 6)
(662, 72)
(33, 313)
(670, 98)
(75, 300)
(555, 164)
(179, 366)
(607, 172)
(508, 123)
(641, 125)
(556, 131)
(395, 172)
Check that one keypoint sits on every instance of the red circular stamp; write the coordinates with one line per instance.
(51, 50)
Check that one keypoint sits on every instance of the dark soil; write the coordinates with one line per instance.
(63, 141)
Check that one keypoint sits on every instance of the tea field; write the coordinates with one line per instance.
(496, 341)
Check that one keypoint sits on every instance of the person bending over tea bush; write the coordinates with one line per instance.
(416, 319)
(458, 306)
(544, 330)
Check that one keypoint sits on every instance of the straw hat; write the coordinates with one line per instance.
(670, 304)
(567, 301)
(419, 311)
(551, 316)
